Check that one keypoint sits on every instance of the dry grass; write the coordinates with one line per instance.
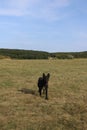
(21, 108)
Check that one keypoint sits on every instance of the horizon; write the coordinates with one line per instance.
(50, 26)
(41, 50)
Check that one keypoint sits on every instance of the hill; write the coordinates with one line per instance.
(23, 54)
(69, 55)
(31, 54)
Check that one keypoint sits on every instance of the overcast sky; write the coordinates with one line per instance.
(46, 25)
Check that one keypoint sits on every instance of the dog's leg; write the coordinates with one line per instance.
(46, 92)
(40, 91)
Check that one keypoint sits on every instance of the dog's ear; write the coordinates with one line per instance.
(43, 75)
(48, 75)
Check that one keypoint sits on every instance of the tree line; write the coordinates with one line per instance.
(31, 54)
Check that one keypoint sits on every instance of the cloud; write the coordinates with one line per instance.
(11, 12)
(58, 3)
(14, 7)
(47, 9)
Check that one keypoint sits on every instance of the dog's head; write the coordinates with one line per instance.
(46, 78)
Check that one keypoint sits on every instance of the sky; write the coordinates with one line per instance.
(44, 25)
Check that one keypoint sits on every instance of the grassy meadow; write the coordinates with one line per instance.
(21, 107)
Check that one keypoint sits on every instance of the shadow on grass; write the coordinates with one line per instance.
(27, 91)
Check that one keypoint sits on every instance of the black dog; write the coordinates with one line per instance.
(43, 84)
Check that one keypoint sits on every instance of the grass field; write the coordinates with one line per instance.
(21, 108)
